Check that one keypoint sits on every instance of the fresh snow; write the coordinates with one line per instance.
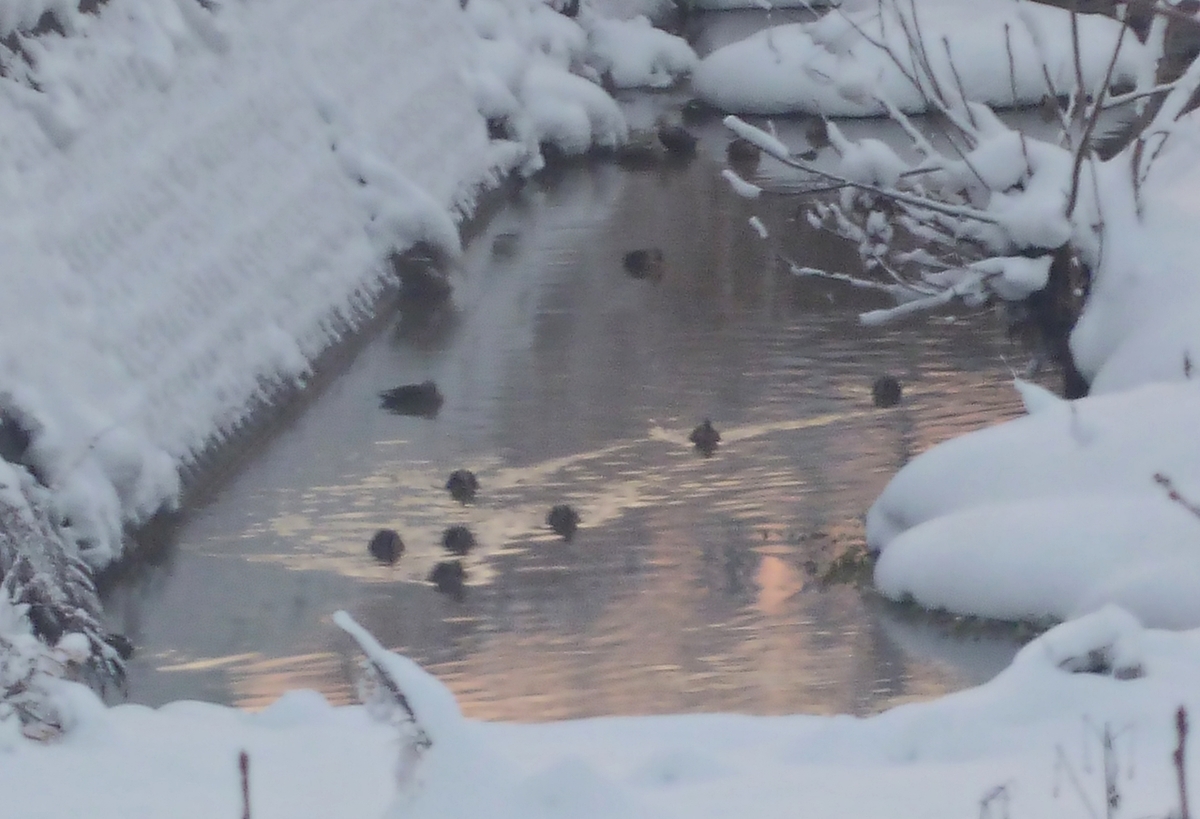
(200, 198)
(1023, 736)
(635, 54)
(762, 5)
(846, 61)
(1060, 513)
(197, 202)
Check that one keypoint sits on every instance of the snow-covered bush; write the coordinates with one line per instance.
(30, 674)
(972, 208)
(49, 611)
(634, 54)
(1057, 514)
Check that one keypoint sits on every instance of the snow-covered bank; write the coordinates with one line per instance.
(190, 219)
(1023, 736)
(1083, 503)
(1002, 52)
(200, 198)
(1059, 513)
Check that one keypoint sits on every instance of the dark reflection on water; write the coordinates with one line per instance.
(690, 585)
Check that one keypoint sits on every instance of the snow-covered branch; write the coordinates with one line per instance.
(981, 209)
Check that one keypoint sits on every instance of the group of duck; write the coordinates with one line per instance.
(449, 576)
(673, 142)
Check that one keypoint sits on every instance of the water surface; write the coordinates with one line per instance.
(694, 583)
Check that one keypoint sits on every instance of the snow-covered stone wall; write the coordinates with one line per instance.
(193, 200)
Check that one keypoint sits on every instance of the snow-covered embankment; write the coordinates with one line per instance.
(1071, 508)
(198, 199)
(195, 205)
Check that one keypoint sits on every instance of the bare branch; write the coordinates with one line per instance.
(1173, 494)
(1117, 100)
(1077, 95)
(1181, 732)
(962, 91)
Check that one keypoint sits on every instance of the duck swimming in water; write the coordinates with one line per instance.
(462, 485)
(448, 577)
(705, 437)
(886, 391)
(424, 399)
(458, 540)
(564, 520)
(386, 546)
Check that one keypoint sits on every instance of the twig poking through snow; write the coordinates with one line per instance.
(1181, 730)
(1063, 765)
(995, 803)
(1173, 493)
(244, 769)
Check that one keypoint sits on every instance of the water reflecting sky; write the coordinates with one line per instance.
(691, 584)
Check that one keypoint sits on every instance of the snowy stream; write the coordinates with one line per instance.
(694, 584)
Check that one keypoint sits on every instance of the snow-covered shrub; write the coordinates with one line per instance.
(633, 53)
(972, 208)
(49, 611)
(30, 672)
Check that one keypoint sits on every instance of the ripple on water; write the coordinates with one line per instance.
(692, 584)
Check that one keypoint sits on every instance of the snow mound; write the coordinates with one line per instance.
(1052, 515)
(845, 62)
(634, 54)
(537, 74)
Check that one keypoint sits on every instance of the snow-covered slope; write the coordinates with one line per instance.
(197, 198)
(194, 203)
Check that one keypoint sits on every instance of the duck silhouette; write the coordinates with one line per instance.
(458, 540)
(564, 520)
(646, 263)
(424, 399)
(448, 577)
(886, 391)
(679, 141)
(386, 546)
(743, 155)
(462, 485)
(705, 437)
